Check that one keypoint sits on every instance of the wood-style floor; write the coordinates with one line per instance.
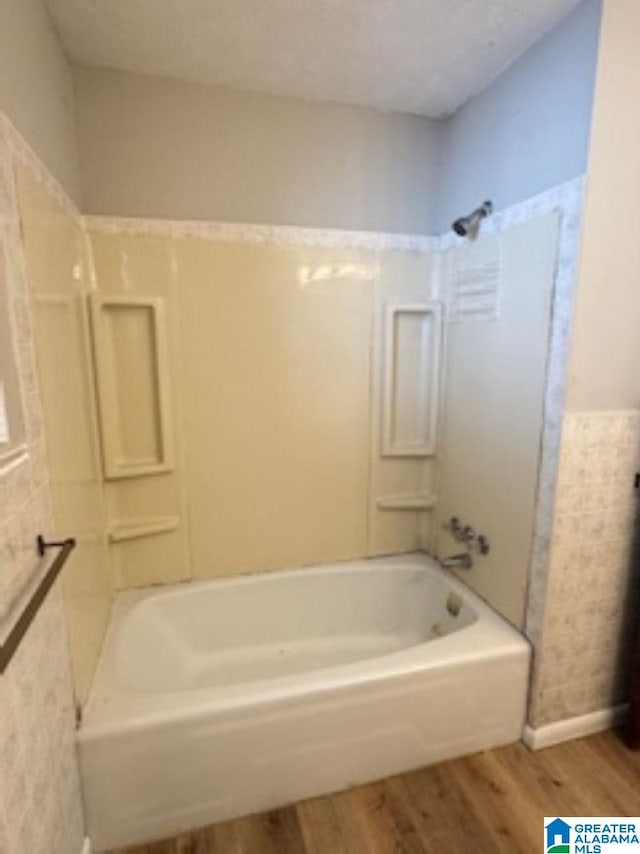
(483, 804)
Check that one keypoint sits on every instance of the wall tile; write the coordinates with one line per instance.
(40, 802)
(582, 663)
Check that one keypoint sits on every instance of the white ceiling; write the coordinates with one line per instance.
(418, 56)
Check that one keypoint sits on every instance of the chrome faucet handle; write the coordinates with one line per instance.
(468, 535)
(454, 525)
(484, 547)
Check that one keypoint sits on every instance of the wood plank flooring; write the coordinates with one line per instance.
(483, 804)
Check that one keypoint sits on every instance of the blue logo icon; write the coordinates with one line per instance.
(558, 836)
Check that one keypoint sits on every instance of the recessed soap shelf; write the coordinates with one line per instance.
(132, 372)
(135, 529)
(418, 503)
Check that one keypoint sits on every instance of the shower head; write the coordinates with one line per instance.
(469, 226)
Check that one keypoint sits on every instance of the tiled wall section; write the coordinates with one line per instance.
(25, 505)
(594, 576)
(40, 807)
(40, 803)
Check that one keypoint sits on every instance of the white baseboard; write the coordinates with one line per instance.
(545, 736)
(86, 846)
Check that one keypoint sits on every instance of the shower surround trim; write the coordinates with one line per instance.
(23, 154)
(263, 235)
(568, 200)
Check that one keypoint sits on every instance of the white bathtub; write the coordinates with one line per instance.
(218, 699)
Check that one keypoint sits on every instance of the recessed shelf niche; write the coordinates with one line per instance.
(132, 371)
(412, 341)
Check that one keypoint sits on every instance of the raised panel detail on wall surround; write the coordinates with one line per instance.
(132, 369)
(412, 342)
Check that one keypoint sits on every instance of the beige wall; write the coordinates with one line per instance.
(160, 148)
(605, 359)
(36, 89)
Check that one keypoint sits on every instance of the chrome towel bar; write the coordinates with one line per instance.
(21, 623)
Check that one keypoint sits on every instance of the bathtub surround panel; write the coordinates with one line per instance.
(132, 373)
(568, 201)
(40, 802)
(404, 684)
(59, 278)
(493, 411)
(276, 368)
(275, 377)
(593, 598)
(412, 342)
(134, 256)
(146, 510)
(475, 281)
(402, 487)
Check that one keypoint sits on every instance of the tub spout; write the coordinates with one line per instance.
(460, 561)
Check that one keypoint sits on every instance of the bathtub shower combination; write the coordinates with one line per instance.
(252, 398)
(223, 698)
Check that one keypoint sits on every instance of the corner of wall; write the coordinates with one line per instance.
(36, 90)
